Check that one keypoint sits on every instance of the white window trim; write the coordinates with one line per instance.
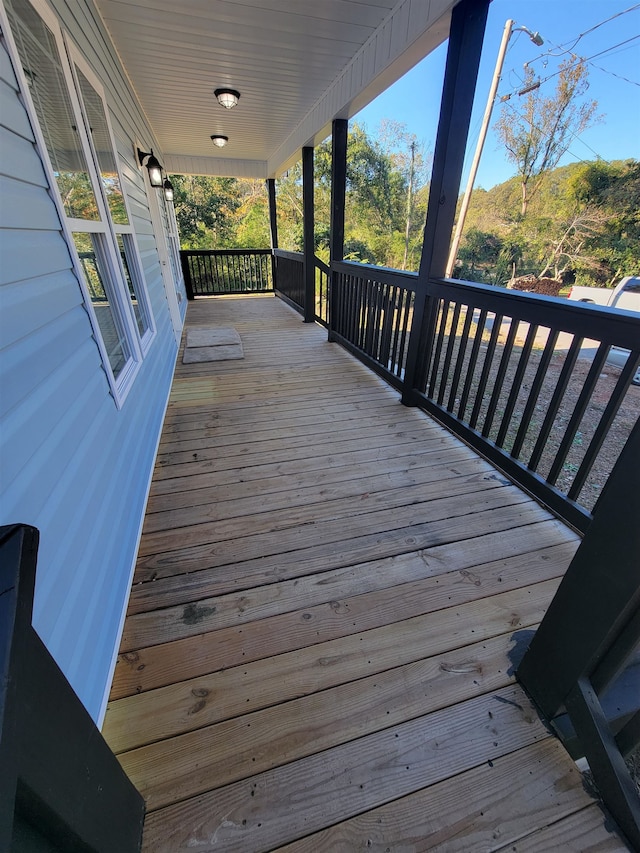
(76, 58)
(121, 385)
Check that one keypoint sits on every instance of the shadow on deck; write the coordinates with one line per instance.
(330, 597)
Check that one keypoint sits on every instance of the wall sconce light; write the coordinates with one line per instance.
(227, 98)
(154, 168)
(167, 186)
(219, 140)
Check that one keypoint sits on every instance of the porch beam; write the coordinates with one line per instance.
(466, 36)
(338, 195)
(308, 235)
(273, 225)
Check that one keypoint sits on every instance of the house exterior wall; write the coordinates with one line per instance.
(72, 463)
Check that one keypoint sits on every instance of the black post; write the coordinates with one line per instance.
(273, 225)
(466, 34)
(186, 274)
(598, 594)
(590, 631)
(338, 194)
(309, 236)
(58, 777)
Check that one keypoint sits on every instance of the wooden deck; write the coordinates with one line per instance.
(330, 596)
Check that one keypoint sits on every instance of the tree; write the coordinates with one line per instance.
(537, 137)
(205, 209)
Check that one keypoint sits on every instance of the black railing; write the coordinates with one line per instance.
(584, 656)
(503, 371)
(290, 277)
(371, 313)
(222, 271)
(61, 787)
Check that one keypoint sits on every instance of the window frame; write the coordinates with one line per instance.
(134, 262)
(118, 292)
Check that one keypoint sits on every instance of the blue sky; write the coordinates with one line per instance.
(414, 100)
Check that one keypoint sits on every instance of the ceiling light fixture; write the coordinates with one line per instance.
(167, 186)
(227, 98)
(219, 140)
(153, 166)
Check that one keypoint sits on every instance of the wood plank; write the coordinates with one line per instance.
(294, 426)
(163, 554)
(210, 614)
(405, 485)
(228, 420)
(245, 411)
(202, 702)
(278, 805)
(587, 831)
(420, 438)
(307, 590)
(488, 808)
(380, 432)
(322, 481)
(143, 669)
(259, 468)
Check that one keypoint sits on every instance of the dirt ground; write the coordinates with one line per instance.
(615, 438)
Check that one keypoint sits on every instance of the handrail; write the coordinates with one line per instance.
(226, 252)
(58, 773)
(384, 275)
(292, 256)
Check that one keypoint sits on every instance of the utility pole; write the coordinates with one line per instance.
(409, 194)
(506, 35)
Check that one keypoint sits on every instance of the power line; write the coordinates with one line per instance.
(613, 74)
(563, 47)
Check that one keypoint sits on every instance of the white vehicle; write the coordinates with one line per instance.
(626, 295)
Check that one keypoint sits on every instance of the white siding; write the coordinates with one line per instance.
(72, 464)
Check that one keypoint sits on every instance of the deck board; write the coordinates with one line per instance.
(330, 597)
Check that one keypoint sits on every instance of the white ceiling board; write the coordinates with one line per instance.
(297, 64)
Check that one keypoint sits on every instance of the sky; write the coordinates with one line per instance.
(613, 53)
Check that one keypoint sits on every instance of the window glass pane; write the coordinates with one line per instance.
(94, 107)
(41, 61)
(91, 256)
(132, 283)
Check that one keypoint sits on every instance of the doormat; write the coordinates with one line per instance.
(221, 344)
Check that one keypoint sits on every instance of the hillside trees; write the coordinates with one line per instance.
(583, 224)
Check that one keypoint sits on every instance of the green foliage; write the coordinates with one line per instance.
(537, 133)
(583, 225)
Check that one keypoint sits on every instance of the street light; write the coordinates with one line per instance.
(537, 39)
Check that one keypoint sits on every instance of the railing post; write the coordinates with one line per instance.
(57, 774)
(273, 226)
(589, 629)
(309, 236)
(186, 273)
(338, 195)
(466, 35)
(598, 594)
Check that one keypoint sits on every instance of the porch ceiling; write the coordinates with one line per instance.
(298, 64)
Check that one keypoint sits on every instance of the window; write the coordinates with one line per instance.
(74, 125)
(105, 157)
